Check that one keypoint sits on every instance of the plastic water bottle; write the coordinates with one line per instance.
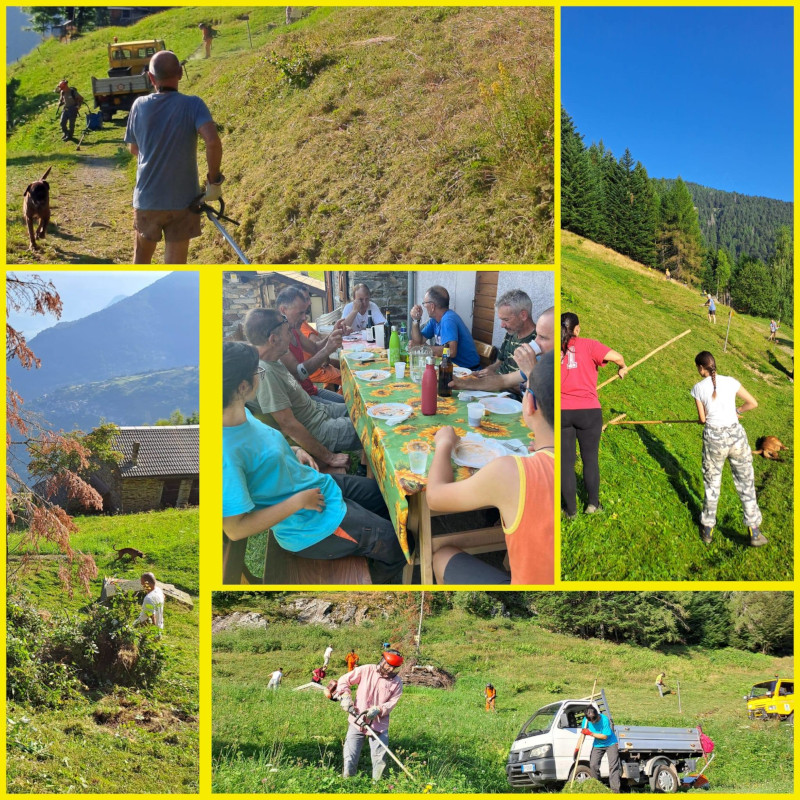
(394, 347)
(429, 389)
(403, 342)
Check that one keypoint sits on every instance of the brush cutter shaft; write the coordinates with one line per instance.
(242, 257)
(360, 719)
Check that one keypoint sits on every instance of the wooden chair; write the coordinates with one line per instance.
(487, 352)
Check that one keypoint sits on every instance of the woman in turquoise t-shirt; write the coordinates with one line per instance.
(267, 484)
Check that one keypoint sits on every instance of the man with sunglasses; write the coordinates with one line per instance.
(445, 327)
(379, 689)
(322, 429)
(521, 488)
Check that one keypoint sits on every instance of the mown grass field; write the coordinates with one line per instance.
(651, 477)
(148, 742)
(291, 742)
(418, 138)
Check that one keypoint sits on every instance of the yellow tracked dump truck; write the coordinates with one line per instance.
(127, 78)
(771, 699)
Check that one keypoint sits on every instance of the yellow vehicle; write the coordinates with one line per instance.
(771, 699)
(131, 58)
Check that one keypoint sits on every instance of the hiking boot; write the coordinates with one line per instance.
(756, 537)
(705, 533)
(593, 509)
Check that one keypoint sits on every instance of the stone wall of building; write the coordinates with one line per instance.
(183, 492)
(141, 494)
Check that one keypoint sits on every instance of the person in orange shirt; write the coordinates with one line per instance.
(520, 487)
(327, 374)
(491, 694)
(351, 659)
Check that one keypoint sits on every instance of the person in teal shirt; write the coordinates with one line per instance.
(268, 484)
(599, 727)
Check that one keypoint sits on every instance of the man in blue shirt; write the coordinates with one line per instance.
(599, 727)
(162, 133)
(445, 327)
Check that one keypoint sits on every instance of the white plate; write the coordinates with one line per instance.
(372, 375)
(477, 454)
(501, 405)
(360, 355)
(461, 372)
(388, 410)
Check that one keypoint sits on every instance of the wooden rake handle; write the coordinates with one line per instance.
(643, 359)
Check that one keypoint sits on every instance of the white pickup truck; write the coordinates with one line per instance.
(543, 752)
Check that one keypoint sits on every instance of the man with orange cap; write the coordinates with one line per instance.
(71, 100)
(379, 689)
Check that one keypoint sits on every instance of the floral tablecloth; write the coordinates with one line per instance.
(387, 447)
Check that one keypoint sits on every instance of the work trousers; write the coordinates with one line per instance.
(352, 751)
(614, 767)
(585, 425)
(721, 444)
(327, 396)
(68, 117)
(369, 529)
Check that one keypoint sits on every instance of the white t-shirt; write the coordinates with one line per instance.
(328, 652)
(721, 410)
(153, 607)
(276, 676)
(360, 322)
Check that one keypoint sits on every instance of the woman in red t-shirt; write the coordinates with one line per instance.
(581, 415)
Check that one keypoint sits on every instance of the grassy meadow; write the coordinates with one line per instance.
(355, 135)
(287, 742)
(651, 477)
(116, 740)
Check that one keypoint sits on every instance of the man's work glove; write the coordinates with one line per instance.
(346, 703)
(587, 732)
(213, 190)
(373, 712)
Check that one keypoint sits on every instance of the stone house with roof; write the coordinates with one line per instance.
(160, 468)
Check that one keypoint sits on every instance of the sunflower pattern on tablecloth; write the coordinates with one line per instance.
(387, 447)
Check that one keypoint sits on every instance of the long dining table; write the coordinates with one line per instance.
(387, 450)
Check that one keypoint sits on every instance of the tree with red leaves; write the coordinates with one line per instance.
(43, 520)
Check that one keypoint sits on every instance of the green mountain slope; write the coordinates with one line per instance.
(286, 741)
(130, 400)
(651, 479)
(422, 136)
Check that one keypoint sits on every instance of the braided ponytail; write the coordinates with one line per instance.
(707, 362)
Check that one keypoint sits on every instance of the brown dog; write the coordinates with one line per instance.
(769, 447)
(36, 205)
(131, 552)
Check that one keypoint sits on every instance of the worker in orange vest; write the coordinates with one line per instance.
(351, 659)
(490, 693)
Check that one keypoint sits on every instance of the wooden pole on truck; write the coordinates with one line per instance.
(725, 346)
(641, 360)
(580, 740)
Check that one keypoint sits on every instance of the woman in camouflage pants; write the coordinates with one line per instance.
(725, 439)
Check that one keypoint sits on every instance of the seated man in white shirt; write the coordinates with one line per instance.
(356, 314)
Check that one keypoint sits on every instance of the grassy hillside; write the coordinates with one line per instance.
(651, 477)
(409, 136)
(291, 742)
(116, 740)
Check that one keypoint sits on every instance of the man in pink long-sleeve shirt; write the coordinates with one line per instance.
(379, 689)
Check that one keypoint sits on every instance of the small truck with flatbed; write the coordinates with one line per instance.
(127, 76)
(771, 699)
(543, 753)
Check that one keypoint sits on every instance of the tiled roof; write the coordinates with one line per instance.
(163, 450)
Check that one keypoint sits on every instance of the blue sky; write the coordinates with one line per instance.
(705, 93)
(82, 293)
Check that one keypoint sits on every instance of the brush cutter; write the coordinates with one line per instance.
(360, 719)
(199, 207)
